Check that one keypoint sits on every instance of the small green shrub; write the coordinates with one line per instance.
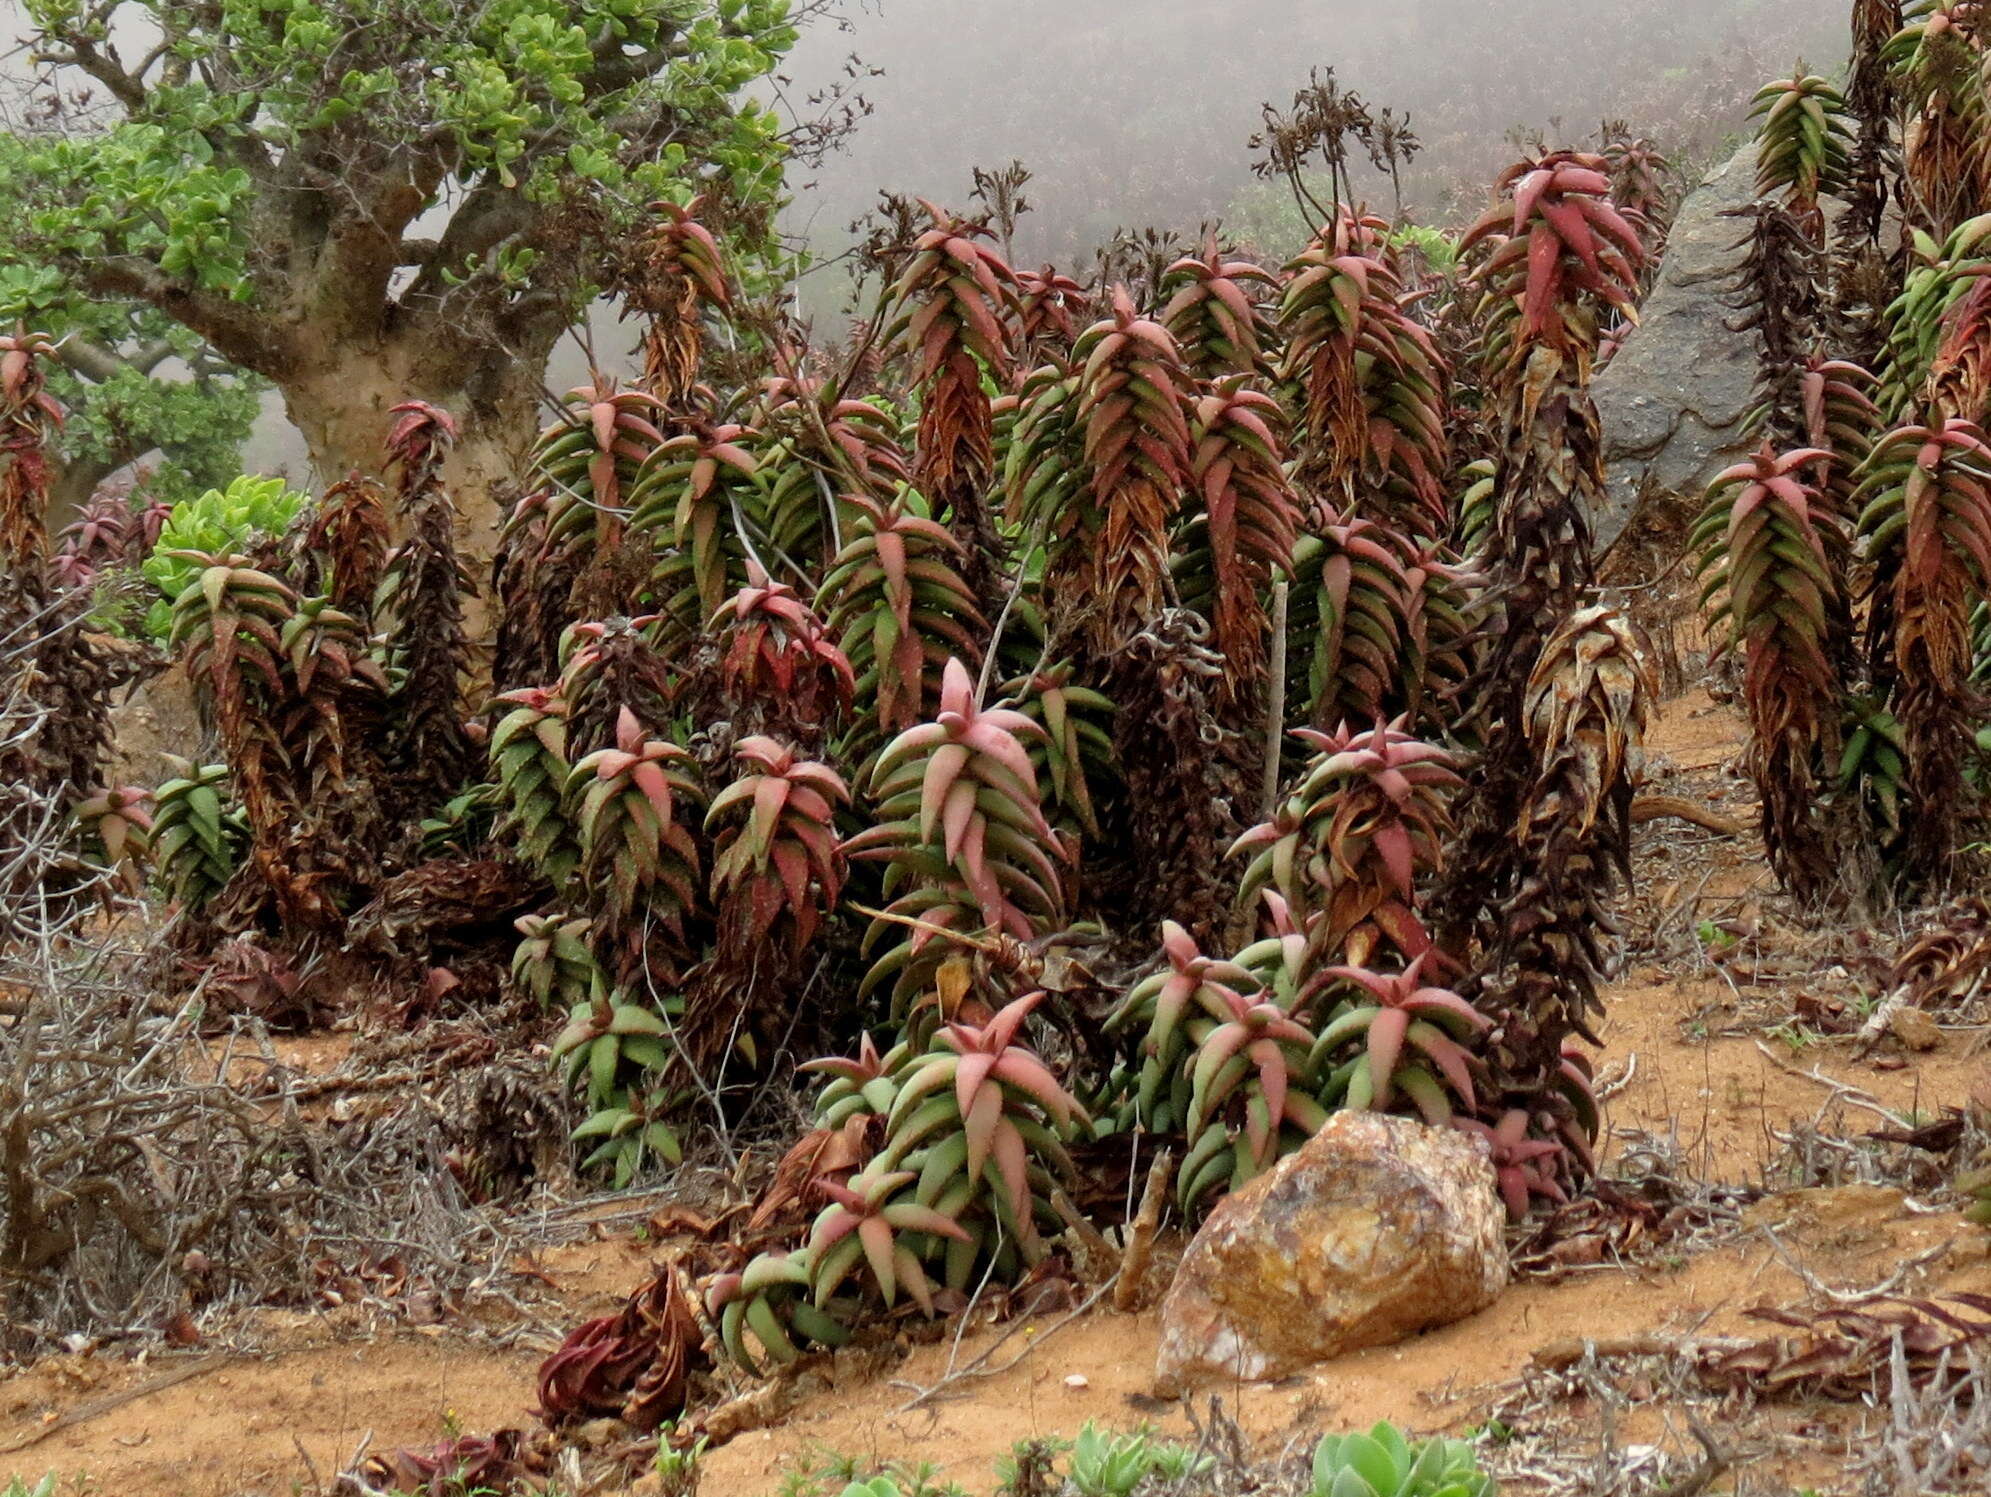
(1110, 1465)
(1384, 1464)
(220, 522)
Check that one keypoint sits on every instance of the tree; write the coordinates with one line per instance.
(133, 386)
(370, 201)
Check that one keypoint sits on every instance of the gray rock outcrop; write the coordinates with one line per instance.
(1673, 398)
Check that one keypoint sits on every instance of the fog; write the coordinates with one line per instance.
(1137, 112)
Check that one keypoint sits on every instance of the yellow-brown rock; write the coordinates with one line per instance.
(1376, 1229)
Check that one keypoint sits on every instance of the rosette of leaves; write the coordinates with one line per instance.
(777, 665)
(617, 1050)
(829, 433)
(952, 312)
(1190, 986)
(198, 838)
(1051, 307)
(1241, 523)
(1775, 564)
(900, 608)
(229, 629)
(117, 827)
(1224, 1060)
(528, 750)
(1409, 1038)
(1960, 372)
(554, 961)
(1074, 752)
(1371, 384)
(1937, 61)
(681, 272)
(1553, 255)
(342, 552)
(1941, 273)
(609, 666)
(1214, 312)
(974, 1146)
(1043, 469)
(1927, 526)
(1583, 716)
(1107, 570)
(865, 1086)
(770, 1300)
(978, 1126)
(962, 832)
(1350, 843)
(693, 499)
(1841, 418)
(418, 611)
(589, 462)
(336, 692)
(776, 866)
(1351, 595)
(1384, 1464)
(1803, 148)
(101, 536)
(815, 445)
(465, 823)
(1524, 1167)
(1644, 184)
(637, 854)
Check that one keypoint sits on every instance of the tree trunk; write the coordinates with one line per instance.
(72, 488)
(344, 415)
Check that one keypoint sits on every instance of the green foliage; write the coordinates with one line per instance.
(547, 101)
(198, 837)
(135, 385)
(1104, 1464)
(621, 1049)
(1384, 1464)
(1439, 249)
(220, 522)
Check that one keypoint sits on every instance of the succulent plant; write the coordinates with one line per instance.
(1382, 1463)
(198, 837)
(626, 804)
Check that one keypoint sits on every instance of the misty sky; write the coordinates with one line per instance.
(1133, 112)
(1137, 112)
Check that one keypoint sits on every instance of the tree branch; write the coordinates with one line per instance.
(239, 333)
(91, 360)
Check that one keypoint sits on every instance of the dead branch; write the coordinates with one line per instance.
(1139, 1250)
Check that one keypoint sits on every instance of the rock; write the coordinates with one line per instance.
(1376, 1229)
(157, 718)
(599, 1434)
(1673, 398)
(1916, 1029)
